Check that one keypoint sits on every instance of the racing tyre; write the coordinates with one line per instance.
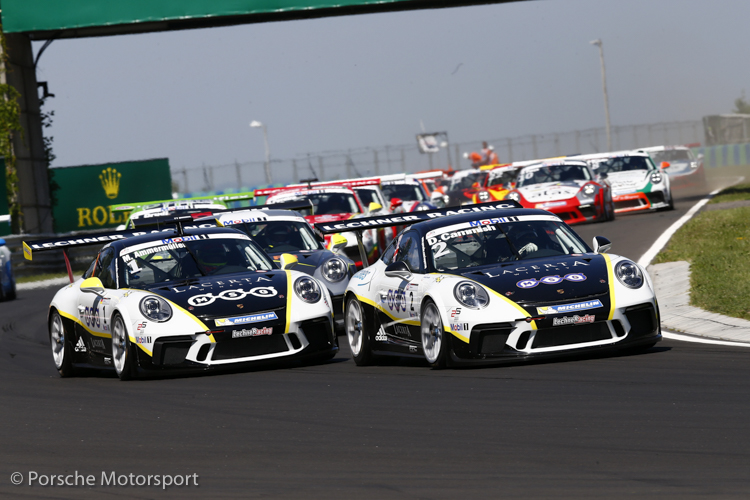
(435, 341)
(12, 293)
(123, 354)
(62, 348)
(611, 211)
(357, 332)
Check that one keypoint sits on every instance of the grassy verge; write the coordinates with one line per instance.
(734, 193)
(40, 277)
(717, 245)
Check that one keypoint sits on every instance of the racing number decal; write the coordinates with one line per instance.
(440, 249)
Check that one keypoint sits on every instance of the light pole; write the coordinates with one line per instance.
(598, 43)
(257, 124)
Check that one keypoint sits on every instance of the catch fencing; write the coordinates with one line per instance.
(406, 158)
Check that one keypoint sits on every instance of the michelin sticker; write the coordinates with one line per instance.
(566, 308)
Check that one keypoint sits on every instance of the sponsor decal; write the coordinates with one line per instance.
(361, 274)
(157, 249)
(141, 326)
(243, 320)
(185, 238)
(412, 348)
(234, 222)
(97, 343)
(573, 320)
(110, 179)
(80, 346)
(402, 330)
(565, 308)
(455, 313)
(107, 361)
(460, 327)
(253, 332)
(381, 336)
(540, 268)
(91, 317)
(142, 340)
(396, 300)
(223, 283)
(551, 280)
(238, 294)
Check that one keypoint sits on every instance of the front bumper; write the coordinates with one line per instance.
(572, 211)
(629, 327)
(310, 338)
(634, 202)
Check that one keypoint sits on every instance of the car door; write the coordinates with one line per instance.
(94, 310)
(401, 298)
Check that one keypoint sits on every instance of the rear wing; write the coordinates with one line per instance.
(345, 183)
(411, 218)
(221, 198)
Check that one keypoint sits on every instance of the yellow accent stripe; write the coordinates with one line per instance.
(289, 293)
(132, 341)
(200, 323)
(456, 334)
(611, 277)
(76, 320)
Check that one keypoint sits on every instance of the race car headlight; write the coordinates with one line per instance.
(307, 289)
(656, 177)
(155, 308)
(334, 270)
(589, 189)
(629, 274)
(513, 196)
(471, 295)
(484, 196)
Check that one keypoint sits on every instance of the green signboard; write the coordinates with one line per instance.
(4, 221)
(81, 196)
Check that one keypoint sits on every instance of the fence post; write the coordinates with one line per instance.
(387, 160)
(185, 177)
(377, 165)
(321, 168)
(533, 147)
(510, 150)
(239, 175)
(295, 173)
(578, 141)
(557, 145)
(348, 164)
(458, 157)
(403, 161)
(635, 137)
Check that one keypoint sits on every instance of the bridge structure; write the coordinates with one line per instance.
(24, 21)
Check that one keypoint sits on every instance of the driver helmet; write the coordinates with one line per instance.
(212, 256)
(279, 235)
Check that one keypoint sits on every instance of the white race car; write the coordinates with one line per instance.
(490, 283)
(184, 299)
(637, 184)
(684, 169)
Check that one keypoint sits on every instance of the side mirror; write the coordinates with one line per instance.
(601, 244)
(338, 242)
(92, 285)
(700, 157)
(603, 175)
(398, 269)
(665, 164)
(373, 207)
(287, 260)
(395, 203)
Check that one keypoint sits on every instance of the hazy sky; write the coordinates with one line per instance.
(478, 72)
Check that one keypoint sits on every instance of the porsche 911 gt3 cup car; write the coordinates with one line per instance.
(637, 184)
(493, 283)
(283, 234)
(685, 169)
(406, 196)
(190, 298)
(567, 188)
(179, 206)
(7, 280)
(498, 183)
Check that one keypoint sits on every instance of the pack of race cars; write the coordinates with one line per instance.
(487, 271)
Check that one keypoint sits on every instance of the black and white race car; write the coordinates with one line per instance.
(185, 298)
(494, 282)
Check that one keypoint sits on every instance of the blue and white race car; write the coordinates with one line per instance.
(491, 283)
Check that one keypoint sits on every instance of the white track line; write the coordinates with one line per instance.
(701, 340)
(662, 240)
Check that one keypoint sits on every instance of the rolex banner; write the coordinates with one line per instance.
(81, 196)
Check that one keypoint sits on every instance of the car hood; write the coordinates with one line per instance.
(307, 260)
(549, 281)
(551, 191)
(629, 181)
(678, 168)
(229, 295)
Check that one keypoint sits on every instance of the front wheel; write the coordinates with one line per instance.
(123, 356)
(435, 340)
(357, 332)
(62, 348)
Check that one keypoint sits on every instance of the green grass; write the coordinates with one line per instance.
(734, 193)
(717, 245)
(41, 277)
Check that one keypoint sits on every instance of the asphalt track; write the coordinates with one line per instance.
(669, 423)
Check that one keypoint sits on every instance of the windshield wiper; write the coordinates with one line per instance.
(510, 244)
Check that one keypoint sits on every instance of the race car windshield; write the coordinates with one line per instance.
(624, 164)
(176, 260)
(490, 242)
(467, 181)
(277, 236)
(502, 178)
(404, 192)
(552, 173)
(329, 203)
(671, 155)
